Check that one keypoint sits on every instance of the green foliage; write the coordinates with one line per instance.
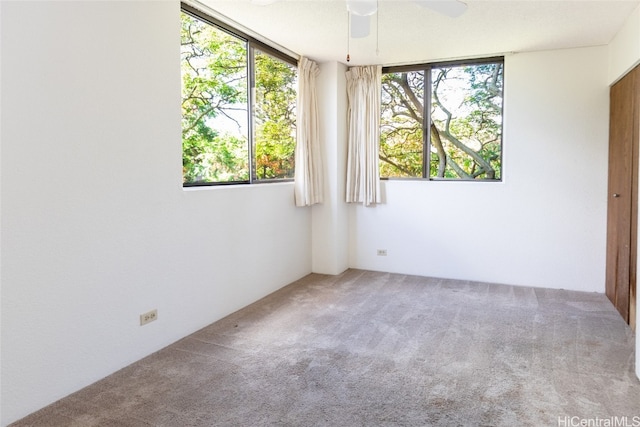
(215, 139)
(401, 135)
(466, 122)
(275, 134)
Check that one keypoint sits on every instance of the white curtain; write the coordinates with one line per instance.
(308, 173)
(363, 92)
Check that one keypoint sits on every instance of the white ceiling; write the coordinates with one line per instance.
(409, 33)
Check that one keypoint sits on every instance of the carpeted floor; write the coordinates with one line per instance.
(376, 349)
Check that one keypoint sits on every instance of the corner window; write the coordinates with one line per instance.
(442, 121)
(238, 106)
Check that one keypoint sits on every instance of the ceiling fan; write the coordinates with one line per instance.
(360, 11)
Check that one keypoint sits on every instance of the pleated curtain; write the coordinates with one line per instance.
(308, 184)
(363, 94)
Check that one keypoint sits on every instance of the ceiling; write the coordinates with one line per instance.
(409, 33)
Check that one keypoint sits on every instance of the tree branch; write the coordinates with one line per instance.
(394, 164)
(442, 155)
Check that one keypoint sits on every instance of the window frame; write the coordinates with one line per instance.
(426, 68)
(252, 45)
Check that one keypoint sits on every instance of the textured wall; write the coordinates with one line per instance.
(545, 224)
(96, 228)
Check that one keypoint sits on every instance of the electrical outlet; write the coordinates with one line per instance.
(382, 252)
(149, 316)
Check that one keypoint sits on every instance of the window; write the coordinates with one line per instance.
(238, 106)
(464, 101)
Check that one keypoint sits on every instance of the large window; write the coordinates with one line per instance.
(238, 106)
(442, 121)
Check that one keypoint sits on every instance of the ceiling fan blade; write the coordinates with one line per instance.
(362, 7)
(359, 26)
(450, 8)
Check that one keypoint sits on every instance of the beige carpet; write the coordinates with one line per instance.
(376, 349)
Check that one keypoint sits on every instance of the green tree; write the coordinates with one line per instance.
(465, 127)
(214, 85)
(275, 134)
(401, 135)
(215, 117)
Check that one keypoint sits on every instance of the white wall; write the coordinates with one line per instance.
(330, 219)
(624, 49)
(545, 224)
(96, 228)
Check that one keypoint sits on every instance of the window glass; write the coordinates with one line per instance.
(466, 122)
(214, 104)
(464, 141)
(275, 117)
(238, 106)
(401, 136)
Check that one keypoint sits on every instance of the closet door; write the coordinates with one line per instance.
(622, 194)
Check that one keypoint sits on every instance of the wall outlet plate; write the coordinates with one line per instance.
(382, 252)
(149, 316)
